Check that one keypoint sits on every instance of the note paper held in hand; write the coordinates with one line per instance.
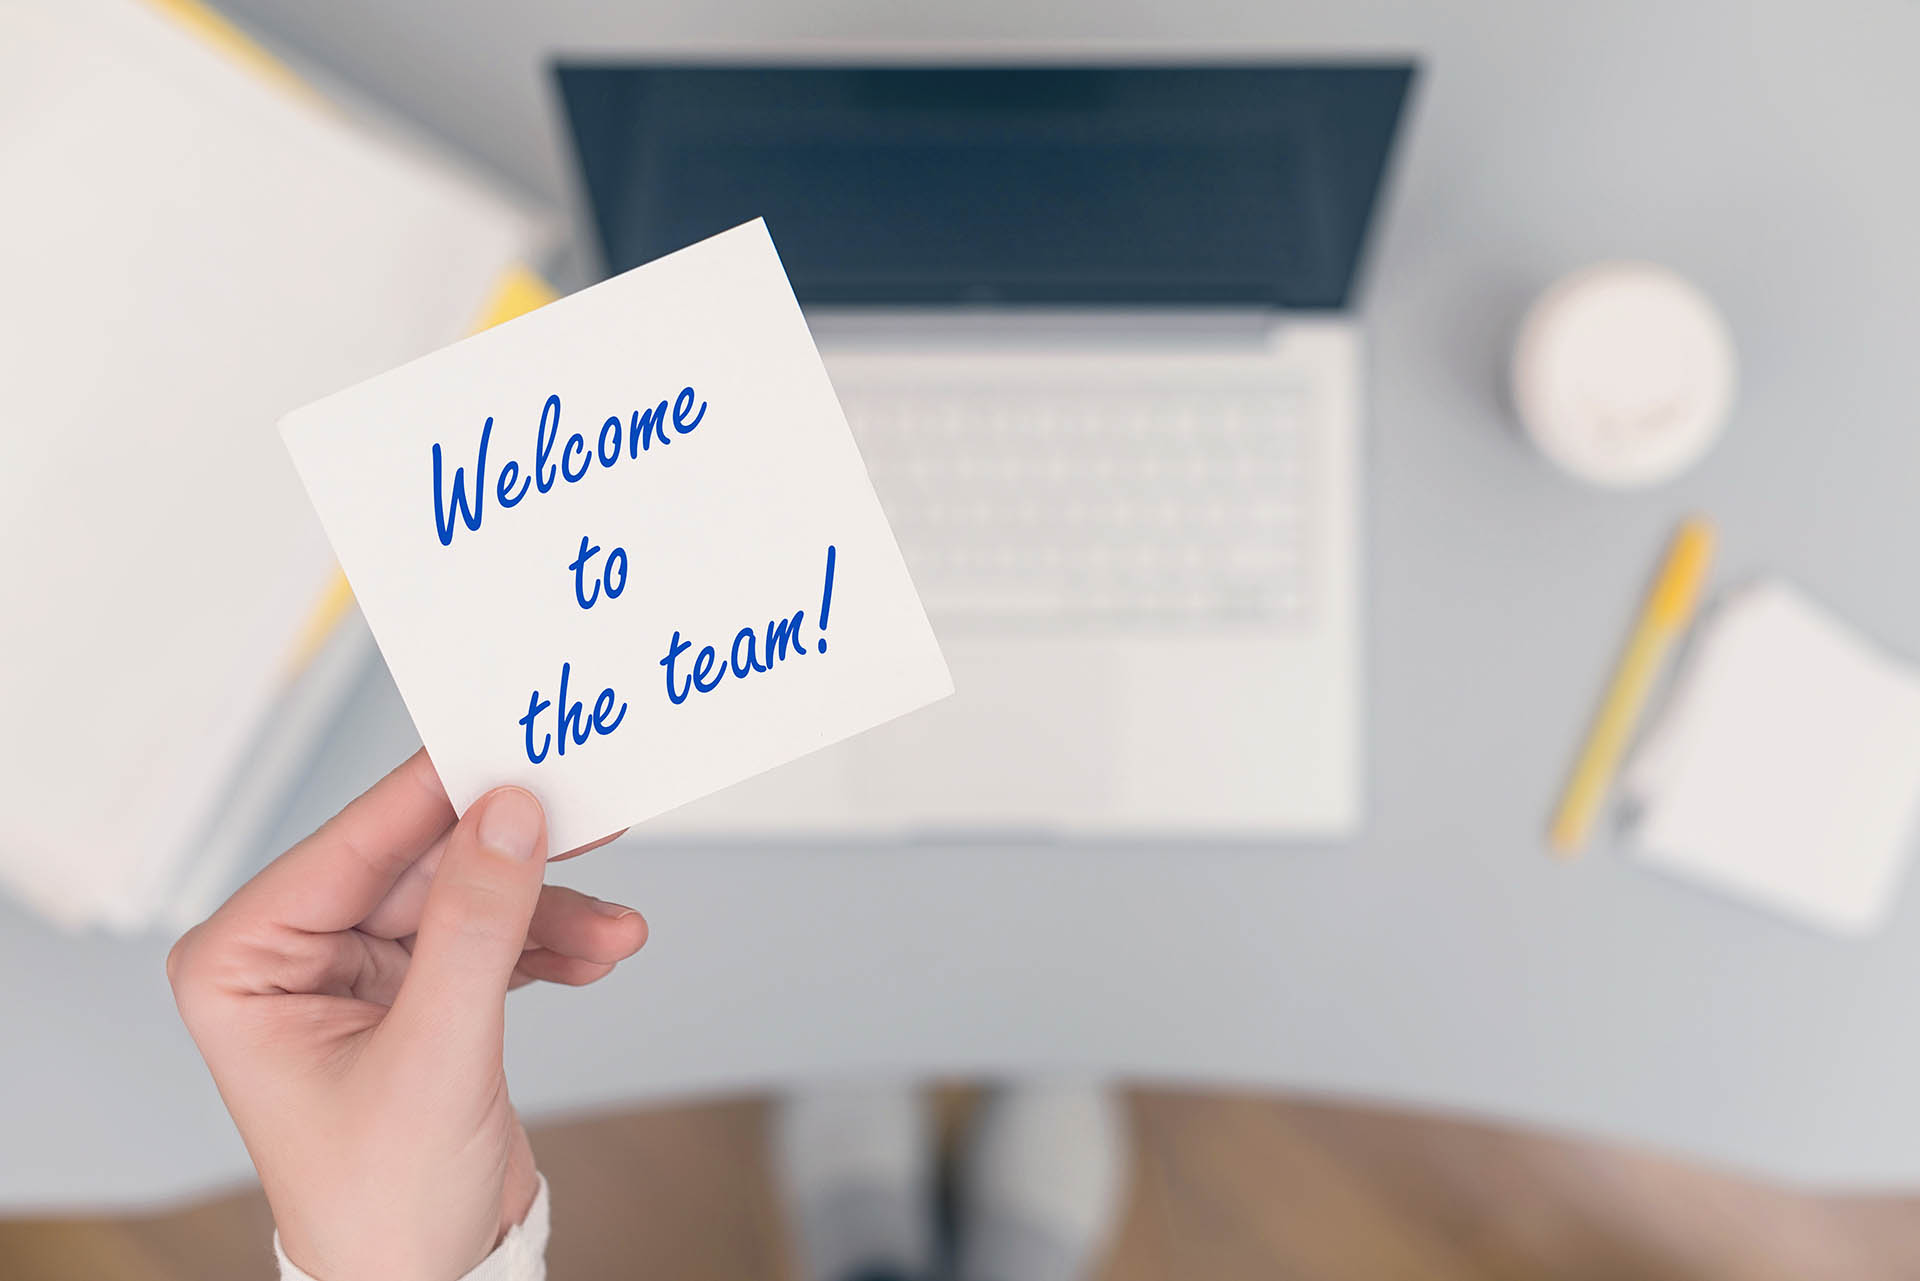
(622, 551)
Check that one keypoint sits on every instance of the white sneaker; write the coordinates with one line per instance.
(1043, 1183)
(855, 1167)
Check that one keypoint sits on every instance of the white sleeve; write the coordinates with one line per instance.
(521, 1256)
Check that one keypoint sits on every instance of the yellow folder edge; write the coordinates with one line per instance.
(213, 30)
(518, 290)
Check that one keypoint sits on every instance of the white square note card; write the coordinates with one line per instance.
(622, 551)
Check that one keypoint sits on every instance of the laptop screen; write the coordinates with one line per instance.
(1233, 184)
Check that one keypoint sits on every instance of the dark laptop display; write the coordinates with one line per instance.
(1232, 184)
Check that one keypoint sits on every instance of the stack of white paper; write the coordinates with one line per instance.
(1786, 769)
(187, 250)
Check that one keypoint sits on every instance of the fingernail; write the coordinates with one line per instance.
(614, 910)
(511, 823)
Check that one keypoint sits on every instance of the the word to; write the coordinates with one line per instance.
(612, 578)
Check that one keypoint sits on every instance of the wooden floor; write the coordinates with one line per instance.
(1225, 1187)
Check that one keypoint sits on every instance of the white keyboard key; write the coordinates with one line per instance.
(1114, 504)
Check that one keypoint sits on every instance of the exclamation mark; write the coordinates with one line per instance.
(826, 598)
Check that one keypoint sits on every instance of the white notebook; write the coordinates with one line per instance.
(1785, 768)
(187, 250)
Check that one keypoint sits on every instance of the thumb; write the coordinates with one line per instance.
(473, 928)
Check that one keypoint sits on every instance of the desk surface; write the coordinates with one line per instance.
(1441, 959)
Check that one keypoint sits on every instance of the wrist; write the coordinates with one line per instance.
(519, 1255)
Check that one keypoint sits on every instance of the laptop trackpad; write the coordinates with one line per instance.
(1027, 739)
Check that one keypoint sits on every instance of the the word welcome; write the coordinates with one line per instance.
(452, 505)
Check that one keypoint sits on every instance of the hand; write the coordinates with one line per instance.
(350, 1003)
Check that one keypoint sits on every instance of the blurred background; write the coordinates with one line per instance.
(1417, 497)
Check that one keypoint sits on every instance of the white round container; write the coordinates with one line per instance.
(1623, 374)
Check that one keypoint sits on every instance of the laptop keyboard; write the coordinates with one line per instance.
(1141, 504)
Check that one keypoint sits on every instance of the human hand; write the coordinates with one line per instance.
(349, 1001)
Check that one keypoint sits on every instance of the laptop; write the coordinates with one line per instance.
(1091, 328)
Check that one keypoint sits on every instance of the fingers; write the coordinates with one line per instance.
(473, 929)
(581, 926)
(398, 913)
(331, 880)
(567, 927)
(540, 965)
(590, 846)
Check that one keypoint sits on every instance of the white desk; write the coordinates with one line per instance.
(1441, 959)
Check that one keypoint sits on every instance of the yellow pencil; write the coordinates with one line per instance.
(1663, 618)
